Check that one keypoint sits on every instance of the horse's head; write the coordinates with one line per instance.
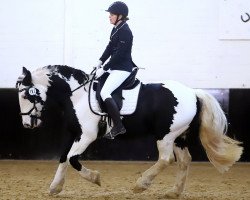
(32, 97)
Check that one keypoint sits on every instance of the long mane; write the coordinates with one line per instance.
(45, 74)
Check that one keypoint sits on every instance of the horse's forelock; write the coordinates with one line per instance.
(19, 80)
(41, 76)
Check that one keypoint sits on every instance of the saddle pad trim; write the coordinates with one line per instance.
(129, 102)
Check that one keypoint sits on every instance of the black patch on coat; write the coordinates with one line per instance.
(60, 92)
(75, 163)
(154, 113)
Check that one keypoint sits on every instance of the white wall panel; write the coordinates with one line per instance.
(234, 19)
(31, 35)
(177, 40)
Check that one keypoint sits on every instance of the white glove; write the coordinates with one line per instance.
(98, 64)
(99, 72)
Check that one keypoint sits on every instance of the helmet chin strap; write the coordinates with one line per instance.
(117, 19)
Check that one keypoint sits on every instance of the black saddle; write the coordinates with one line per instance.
(130, 83)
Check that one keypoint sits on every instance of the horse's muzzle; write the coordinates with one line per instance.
(28, 126)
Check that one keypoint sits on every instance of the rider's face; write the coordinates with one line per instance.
(113, 18)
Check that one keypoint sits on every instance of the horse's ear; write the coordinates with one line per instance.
(27, 77)
(25, 71)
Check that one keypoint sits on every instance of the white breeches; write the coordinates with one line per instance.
(114, 80)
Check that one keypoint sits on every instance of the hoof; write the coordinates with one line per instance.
(141, 185)
(95, 176)
(138, 189)
(54, 191)
(92, 176)
(56, 188)
(172, 195)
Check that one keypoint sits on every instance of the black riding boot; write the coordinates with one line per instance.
(114, 113)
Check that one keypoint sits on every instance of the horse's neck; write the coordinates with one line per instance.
(75, 90)
(74, 84)
(80, 94)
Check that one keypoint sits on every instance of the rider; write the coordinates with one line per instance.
(119, 65)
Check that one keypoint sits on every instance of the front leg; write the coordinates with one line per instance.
(77, 149)
(88, 174)
(57, 184)
(59, 179)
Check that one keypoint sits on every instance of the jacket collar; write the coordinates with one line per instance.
(119, 25)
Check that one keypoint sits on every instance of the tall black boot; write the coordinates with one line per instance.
(114, 113)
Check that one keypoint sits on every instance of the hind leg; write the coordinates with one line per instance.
(183, 161)
(166, 157)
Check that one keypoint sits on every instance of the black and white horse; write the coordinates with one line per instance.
(170, 111)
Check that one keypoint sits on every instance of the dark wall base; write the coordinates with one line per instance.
(46, 143)
(239, 118)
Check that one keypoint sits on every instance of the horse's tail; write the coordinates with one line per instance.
(221, 150)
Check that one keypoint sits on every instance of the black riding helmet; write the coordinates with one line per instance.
(119, 8)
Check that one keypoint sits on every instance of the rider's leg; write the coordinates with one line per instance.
(115, 79)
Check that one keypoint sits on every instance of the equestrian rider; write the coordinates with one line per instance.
(119, 65)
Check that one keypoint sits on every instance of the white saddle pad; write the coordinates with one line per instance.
(129, 101)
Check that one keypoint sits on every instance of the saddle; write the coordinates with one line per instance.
(125, 95)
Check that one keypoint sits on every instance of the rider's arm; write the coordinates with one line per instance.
(106, 54)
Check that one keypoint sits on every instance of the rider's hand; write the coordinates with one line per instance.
(98, 64)
(99, 72)
(106, 67)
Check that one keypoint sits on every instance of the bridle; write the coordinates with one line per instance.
(33, 118)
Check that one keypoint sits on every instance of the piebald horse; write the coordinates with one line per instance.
(169, 111)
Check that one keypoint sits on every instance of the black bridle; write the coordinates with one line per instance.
(33, 118)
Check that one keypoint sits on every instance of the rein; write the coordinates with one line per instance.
(90, 85)
(88, 80)
(80, 87)
(93, 72)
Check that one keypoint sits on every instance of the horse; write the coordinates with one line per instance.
(171, 112)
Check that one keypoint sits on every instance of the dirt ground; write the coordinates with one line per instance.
(31, 179)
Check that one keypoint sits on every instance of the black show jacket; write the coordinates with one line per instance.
(119, 49)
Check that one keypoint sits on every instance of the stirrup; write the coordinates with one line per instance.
(111, 135)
